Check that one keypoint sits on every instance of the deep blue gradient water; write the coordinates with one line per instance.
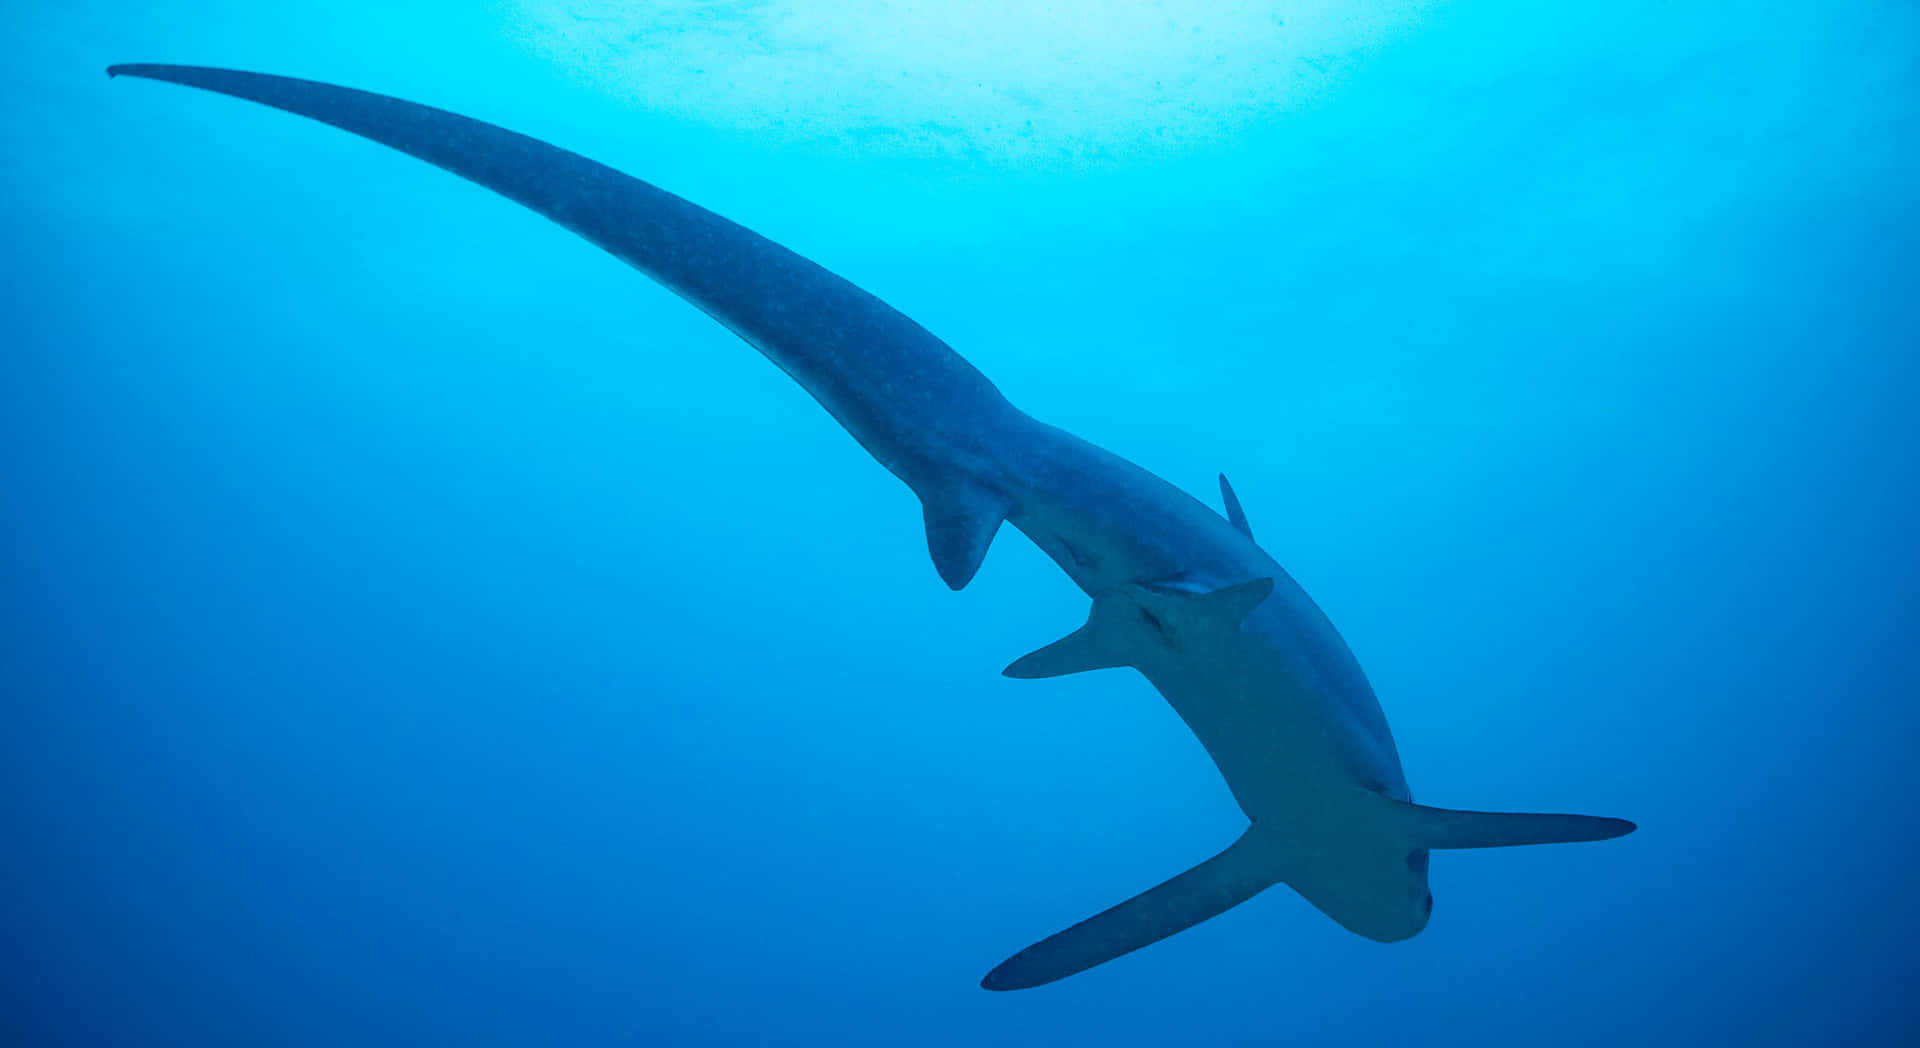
(421, 629)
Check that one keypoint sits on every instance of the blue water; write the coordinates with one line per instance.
(423, 630)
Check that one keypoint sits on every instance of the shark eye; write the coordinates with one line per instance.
(1417, 861)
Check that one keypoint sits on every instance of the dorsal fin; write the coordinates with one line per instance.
(1077, 652)
(1232, 605)
(1235, 515)
(1122, 620)
(1091, 647)
(1224, 608)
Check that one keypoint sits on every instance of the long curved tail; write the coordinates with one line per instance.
(911, 401)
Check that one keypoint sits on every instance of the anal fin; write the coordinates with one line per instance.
(1209, 889)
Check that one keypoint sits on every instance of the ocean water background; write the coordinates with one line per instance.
(422, 629)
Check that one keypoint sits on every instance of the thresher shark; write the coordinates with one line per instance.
(1180, 593)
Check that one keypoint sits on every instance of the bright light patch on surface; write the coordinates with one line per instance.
(1019, 81)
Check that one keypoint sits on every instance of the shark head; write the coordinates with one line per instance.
(1368, 870)
(1377, 892)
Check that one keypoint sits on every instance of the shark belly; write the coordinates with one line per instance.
(1285, 743)
(1280, 705)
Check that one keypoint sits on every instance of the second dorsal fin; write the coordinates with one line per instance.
(1235, 515)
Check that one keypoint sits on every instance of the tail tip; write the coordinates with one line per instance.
(141, 69)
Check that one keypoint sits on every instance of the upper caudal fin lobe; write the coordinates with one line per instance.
(1446, 828)
(900, 391)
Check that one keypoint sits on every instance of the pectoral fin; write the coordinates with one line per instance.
(1211, 888)
(1446, 828)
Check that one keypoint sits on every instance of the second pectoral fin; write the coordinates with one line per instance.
(1228, 879)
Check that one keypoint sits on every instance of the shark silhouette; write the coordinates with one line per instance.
(1179, 593)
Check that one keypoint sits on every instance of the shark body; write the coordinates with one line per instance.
(1180, 593)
